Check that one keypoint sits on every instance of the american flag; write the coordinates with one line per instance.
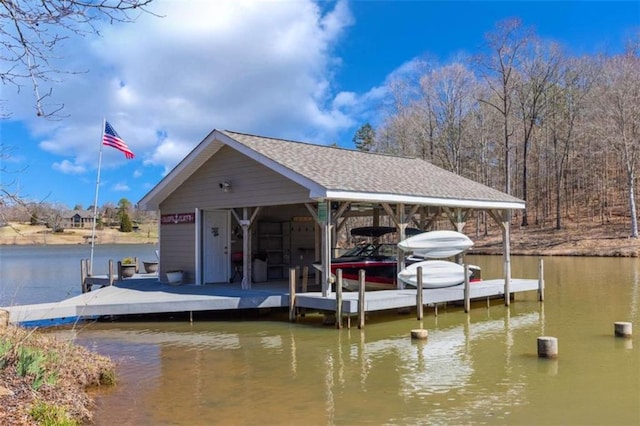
(111, 138)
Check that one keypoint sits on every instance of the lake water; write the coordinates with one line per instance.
(475, 369)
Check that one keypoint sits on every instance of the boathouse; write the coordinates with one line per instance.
(249, 207)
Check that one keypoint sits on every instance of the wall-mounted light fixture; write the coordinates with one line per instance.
(225, 186)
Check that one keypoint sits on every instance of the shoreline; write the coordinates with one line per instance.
(575, 239)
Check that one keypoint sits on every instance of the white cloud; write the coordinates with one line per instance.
(164, 83)
(68, 168)
(121, 187)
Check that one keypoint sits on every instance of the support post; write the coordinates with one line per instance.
(304, 288)
(467, 298)
(112, 275)
(83, 275)
(292, 294)
(540, 280)
(119, 270)
(246, 253)
(506, 240)
(361, 293)
(305, 279)
(419, 305)
(339, 299)
(324, 219)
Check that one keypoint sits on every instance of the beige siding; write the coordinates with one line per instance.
(177, 249)
(252, 184)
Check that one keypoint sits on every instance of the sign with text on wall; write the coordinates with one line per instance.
(177, 218)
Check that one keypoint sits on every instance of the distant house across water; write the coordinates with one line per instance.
(77, 219)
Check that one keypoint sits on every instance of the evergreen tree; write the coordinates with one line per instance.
(364, 138)
(123, 215)
(125, 223)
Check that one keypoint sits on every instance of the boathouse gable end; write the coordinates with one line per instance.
(249, 184)
(231, 179)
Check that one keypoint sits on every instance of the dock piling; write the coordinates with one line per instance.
(339, 299)
(623, 329)
(419, 334)
(304, 288)
(361, 292)
(547, 347)
(292, 294)
(83, 275)
(540, 280)
(419, 294)
(467, 300)
(112, 273)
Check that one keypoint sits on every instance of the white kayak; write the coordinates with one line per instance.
(435, 274)
(436, 244)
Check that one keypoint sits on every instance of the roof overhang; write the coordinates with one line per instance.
(416, 200)
(215, 140)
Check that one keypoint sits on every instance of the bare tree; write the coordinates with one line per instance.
(32, 32)
(565, 101)
(616, 116)
(448, 100)
(401, 132)
(498, 67)
(537, 72)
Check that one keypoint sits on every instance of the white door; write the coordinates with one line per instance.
(215, 247)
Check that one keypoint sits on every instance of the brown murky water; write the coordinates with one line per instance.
(480, 368)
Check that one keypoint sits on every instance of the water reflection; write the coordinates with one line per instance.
(225, 372)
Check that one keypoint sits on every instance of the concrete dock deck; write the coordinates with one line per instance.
(146, 295)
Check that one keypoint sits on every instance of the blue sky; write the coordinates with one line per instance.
(303, 70)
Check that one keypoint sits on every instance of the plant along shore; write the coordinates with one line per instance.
(44, 380)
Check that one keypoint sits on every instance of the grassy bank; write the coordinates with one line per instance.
(44, 381)
(25, 234)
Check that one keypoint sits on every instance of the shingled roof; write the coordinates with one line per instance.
(343, 174)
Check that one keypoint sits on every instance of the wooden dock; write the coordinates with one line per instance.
(146, 295)
(394, 299)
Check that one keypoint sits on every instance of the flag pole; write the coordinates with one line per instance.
(95, 202)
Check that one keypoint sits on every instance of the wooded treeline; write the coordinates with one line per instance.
(561, 132)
